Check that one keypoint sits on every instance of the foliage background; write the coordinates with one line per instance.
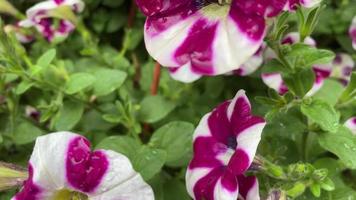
(98, 83)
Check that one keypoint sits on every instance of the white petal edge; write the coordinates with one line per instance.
(49, 160)
(121, 181)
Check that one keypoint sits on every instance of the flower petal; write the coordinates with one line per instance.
(275, 81)
(121, 181)
(249, 189)
(351, 124)
(48, 166)
(342, 68)
(204, 42)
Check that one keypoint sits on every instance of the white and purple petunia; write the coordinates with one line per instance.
(352, 32)
(205, 37)
(51, 28)
(275, 81)
(225, 143)
(62, 166)
(20, 33)
(351, 124)
(342, 67)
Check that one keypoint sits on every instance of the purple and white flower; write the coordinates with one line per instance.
(352, 32)
(205, 37)
(62, 166)
(275, 81)
(20, 33)
(342, 67)
(351, 124)
(225, 143)
(51, 28)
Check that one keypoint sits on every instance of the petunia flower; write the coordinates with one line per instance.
(351, 124)
(205, 37)
(275, 81)
(39, 16)
(62, 166)
(342, 67)
(20, 33)
(225, 143)
(352, 32)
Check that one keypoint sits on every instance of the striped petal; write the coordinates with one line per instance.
(249, 189)
(63, 162)
(225, 144)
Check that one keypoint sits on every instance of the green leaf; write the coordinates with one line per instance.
(121, 144)
(330, 97)
(148, 161)
(25, 133)
(350, 91)
(342, 143)
(175, 190)
(274, 66)
(175, 138)
(79, 82)
(327, 185)
(306, 56)
(46, 58)
(23, 87)
(69, 115)
(154, 108)
(315, 189)
(321, 113)
(107, 81)
(300, 82)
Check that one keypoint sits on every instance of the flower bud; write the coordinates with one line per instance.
(11, 176)
(277, 194)
(7, 8)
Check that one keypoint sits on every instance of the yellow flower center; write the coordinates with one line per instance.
(69, 195)
(216, 11)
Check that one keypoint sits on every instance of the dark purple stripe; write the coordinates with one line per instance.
(206, 150)
(30, 191)
(220, 126)
(197, 47)
(58, 2)
(241, 117)
(245, 184)
(84, 169)
(204, 188)
(239, 162)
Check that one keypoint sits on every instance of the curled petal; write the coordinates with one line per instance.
(351, 124)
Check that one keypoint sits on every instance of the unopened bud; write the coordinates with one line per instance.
(11, 176)
(277, 195)
(8, 8)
